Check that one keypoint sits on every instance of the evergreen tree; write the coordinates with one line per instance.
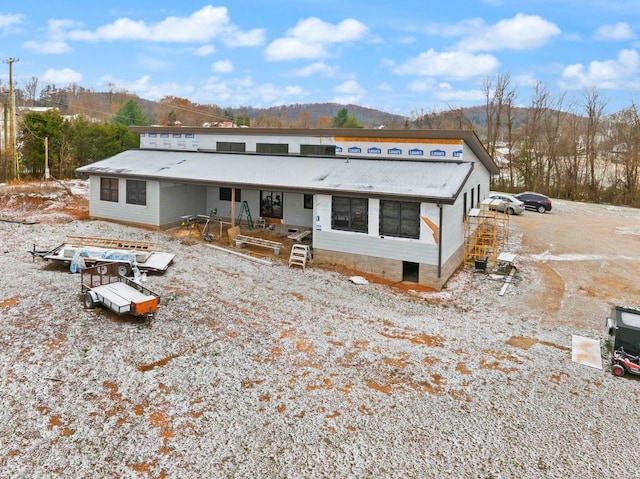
(130, 114)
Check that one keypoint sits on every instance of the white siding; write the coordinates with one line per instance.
(121, 211)
(295, 212)
(178, 200)
(422, 250)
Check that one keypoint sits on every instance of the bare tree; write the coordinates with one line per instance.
(625, 153)
(31, 90)
(594, 108)
(499, 100)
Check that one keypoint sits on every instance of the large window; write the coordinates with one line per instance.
(136, 192)
(277, 148)
(399, 218)
(230, 146)
(350, 214)
(225, 194)
(321, 150)
(271, 204)
(109, 189)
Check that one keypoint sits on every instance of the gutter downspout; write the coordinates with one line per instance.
(440, 242)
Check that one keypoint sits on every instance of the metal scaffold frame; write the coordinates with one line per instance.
(486, 231)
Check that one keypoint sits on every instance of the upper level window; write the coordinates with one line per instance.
(399, 218)
(225, 194)
(322, 150)
(278, 148)
(136, 192)
(231, 146)
(109, 189)
(350, 214)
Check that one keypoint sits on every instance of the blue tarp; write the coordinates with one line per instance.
(78, 263)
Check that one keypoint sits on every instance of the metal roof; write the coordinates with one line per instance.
(438, 180)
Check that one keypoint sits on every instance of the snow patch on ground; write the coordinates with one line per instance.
(252, 371)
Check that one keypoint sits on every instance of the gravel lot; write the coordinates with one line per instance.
(262, 371)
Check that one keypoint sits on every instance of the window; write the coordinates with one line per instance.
(225, 194)
(322, 150)
(109, 189)
(136, 192)
(281, 148)
(399, 218)
(231, 146)
(350, 214)
(308, 202)
(271, 204)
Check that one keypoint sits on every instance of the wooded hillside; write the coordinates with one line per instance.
(562, 149)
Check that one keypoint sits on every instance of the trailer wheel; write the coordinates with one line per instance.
(124, 269)
(90, 300)
(617, 370)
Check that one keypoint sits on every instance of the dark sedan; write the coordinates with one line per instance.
(535, 201)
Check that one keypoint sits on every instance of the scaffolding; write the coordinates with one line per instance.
(486, 231)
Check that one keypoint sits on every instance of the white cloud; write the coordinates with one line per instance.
(244, 91)
(318, 68)
(56, 42)
(237, 38)
(294, 49)
(48, 47)
(608, 74)
(385, 87)
(459, 29)
(314, 30)
(65, 76)
(469, 96)
(144, 88)
(445, 92)
(204, 50)
(311, 38)
(349, 92)
(222, 66)
(522, 32)
(201, 26)
(350, 87)
(448, 64)
(8, 22)
(618, 31)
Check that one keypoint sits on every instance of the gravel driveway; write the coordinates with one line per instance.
(587, 257)
(262, 371)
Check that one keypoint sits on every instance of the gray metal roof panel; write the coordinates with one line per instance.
(432, 179)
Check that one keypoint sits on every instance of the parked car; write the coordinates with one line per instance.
(509, 204)
(535, 201)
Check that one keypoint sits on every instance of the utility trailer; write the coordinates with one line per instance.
(102, 285)
(82, 251)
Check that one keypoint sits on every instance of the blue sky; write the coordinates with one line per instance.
(400, 57)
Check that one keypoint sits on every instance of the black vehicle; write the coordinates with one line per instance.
(624, 325)
(535, 201)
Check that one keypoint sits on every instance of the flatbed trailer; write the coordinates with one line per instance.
(79, 252)
(102, 285)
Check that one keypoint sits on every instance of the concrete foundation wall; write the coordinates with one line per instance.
(390, 269)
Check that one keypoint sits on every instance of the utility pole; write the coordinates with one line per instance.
(12, 115)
